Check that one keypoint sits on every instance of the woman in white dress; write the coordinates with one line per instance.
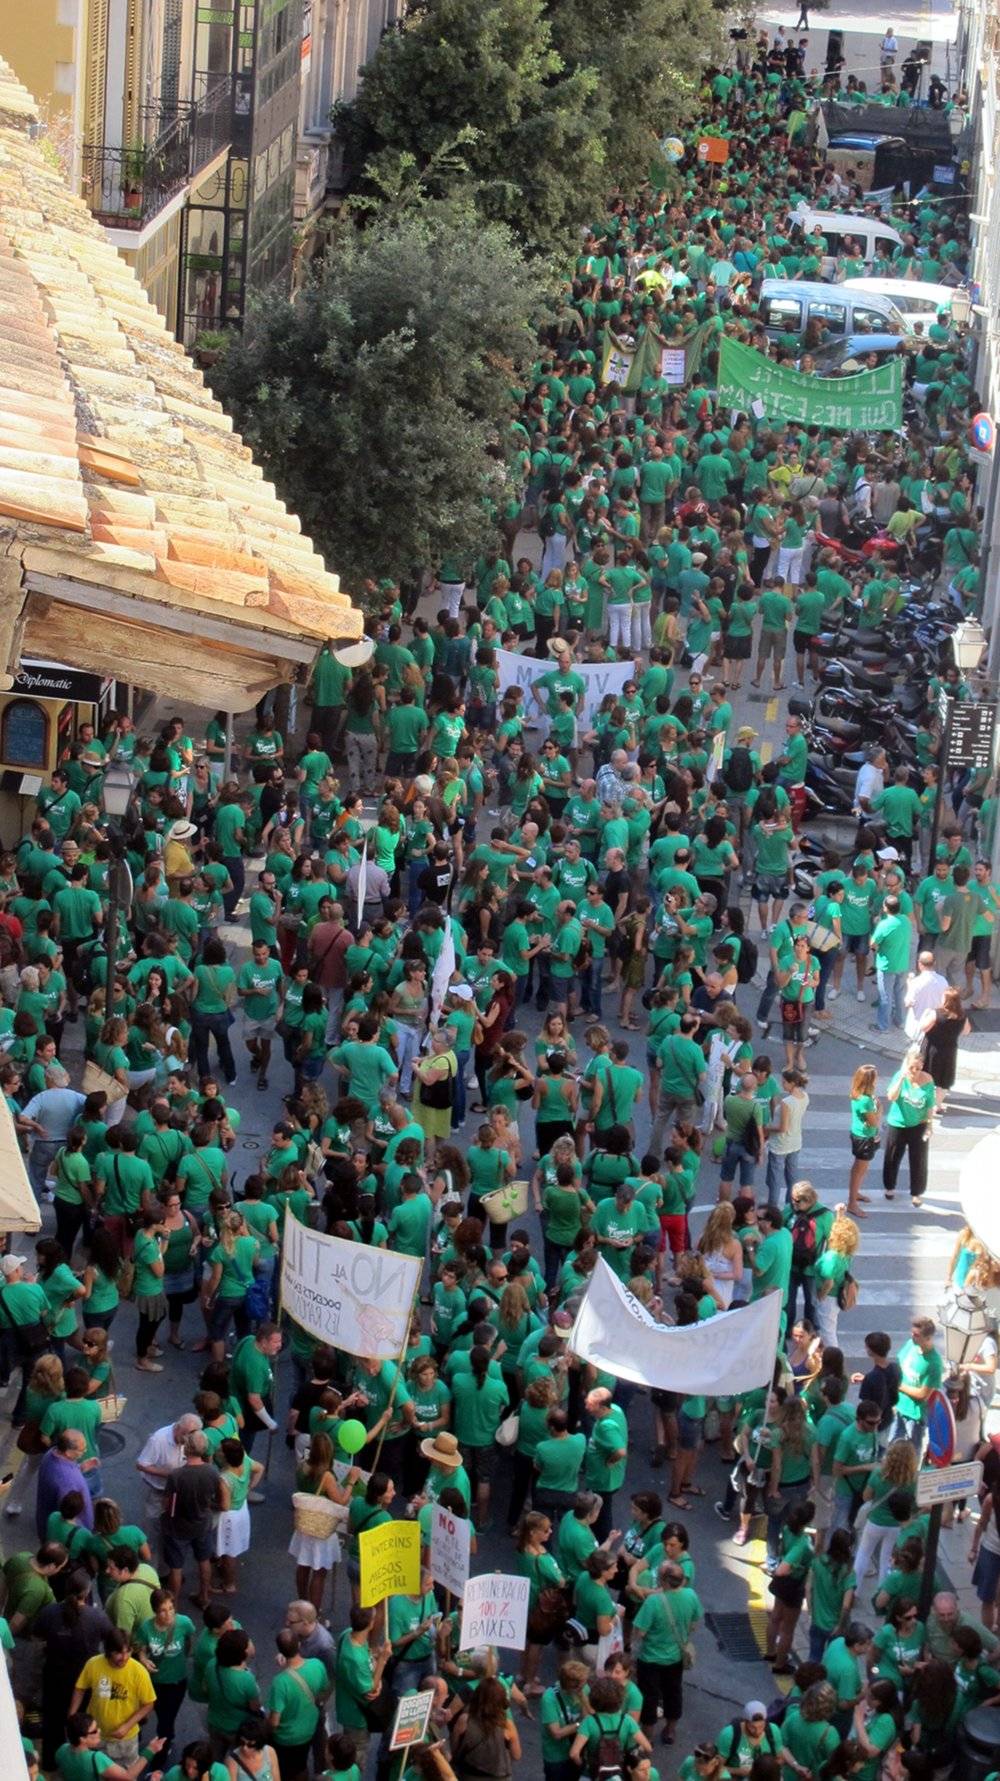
(722, 1251)
(240, 1475)
(315, 1555)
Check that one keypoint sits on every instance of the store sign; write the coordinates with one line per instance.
(50, 680)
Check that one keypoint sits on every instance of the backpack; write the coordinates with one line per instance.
(738, 770)
(608, 1762)
(747, 960)
(546, 525)
(82, 968)
(847, 1292)
(803, 1241)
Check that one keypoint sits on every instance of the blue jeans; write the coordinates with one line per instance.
(458, 1105)
(735, 1157)
(590, 988)
(818, 1642)
(826, 962)
(890, 986)
(767, 995)
(781, 1170)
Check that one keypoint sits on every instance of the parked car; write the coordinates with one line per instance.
(916, 302)
(871, 234)
(788, 305)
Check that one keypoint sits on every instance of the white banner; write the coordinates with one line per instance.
(348, 1294)
(495, 1612)
(450, 1549)
(729, 1353)
(977, 1186)
(599, 679)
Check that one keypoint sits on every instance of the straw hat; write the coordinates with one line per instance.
(443, 1450)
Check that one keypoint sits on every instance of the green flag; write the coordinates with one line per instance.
(857, 403)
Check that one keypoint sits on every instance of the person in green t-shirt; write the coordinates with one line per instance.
(775, 610)
(911, 1097)
(260, 986)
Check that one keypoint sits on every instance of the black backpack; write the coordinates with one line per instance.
(747, 960)
(82, 968)
(608, 1762)
(738, 770)
(803, 1241)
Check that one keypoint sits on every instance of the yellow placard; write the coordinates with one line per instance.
(390, 1561)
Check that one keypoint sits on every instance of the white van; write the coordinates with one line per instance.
(788, 305)
(871, 233)
(915, 301)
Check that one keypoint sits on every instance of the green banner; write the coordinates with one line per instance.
(856, 403)
(628, 366)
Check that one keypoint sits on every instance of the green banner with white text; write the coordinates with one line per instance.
(856, 403)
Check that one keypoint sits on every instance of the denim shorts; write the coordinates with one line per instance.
(218, 1319)
(689, 1432)
(857, 943)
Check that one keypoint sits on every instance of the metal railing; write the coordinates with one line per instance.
(126, 186)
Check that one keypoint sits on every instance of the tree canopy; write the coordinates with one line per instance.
(559, 102)
(374, 400)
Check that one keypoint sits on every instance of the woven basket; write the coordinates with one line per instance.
(316, 1517)
(505, 1203)
(112, 1408)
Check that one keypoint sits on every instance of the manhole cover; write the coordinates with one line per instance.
(734, 1637)
(109, 1441)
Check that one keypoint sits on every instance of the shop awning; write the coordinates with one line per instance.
(137, 535)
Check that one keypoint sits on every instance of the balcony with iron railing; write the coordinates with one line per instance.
(126, 186)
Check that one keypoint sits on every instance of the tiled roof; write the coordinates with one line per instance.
(117, 466)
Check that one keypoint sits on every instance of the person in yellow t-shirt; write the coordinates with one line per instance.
(121, 1696)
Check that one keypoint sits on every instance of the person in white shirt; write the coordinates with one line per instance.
(889, 49)
(925, 989)
(161, 1455)
(870, 783)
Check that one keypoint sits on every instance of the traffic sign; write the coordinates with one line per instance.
(946, 1484)
(971, 733)
(940, 1429)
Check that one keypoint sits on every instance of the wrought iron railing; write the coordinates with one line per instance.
(126, 186)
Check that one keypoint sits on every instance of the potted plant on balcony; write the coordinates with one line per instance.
(134, 160)
(209, 347)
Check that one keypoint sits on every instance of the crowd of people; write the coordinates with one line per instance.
(443, 853)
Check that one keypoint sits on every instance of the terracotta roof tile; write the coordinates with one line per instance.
(112, 448)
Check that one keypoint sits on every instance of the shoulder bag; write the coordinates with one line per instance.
(685, 1646)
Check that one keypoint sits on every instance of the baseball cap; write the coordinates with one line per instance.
(462, 991)
(11, 1263)
(887, 853)
(755, 1710)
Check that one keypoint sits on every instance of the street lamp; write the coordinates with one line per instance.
(968, 640)
(965, 1322)
(961, 306)
(118, 787)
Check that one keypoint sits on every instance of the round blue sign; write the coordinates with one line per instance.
(940, 1429)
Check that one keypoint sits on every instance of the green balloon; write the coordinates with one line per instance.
(352, 1435)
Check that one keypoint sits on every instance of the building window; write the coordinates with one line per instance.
(24, 734)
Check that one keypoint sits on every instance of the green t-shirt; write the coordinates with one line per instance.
(478, 1409)
(666, 1620)
(354, 1681)
(919, 1369)
(167, 1646)
(369, 1067)
(261, 986)
(558, 1461)
(293, 1695)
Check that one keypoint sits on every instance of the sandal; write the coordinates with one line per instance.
(175, 1343)
(740, 1537)
(693, 1490)
(679, 1502)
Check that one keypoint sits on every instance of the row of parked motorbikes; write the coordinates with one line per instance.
(873, 688)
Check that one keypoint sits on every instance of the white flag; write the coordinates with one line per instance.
(362, 882)
(729, 1353)
(442, 974)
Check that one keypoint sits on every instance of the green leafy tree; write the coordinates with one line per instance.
(532, 128)
(373, 401)
(648, 56)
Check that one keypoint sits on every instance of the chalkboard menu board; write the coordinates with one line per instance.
(24, 734)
